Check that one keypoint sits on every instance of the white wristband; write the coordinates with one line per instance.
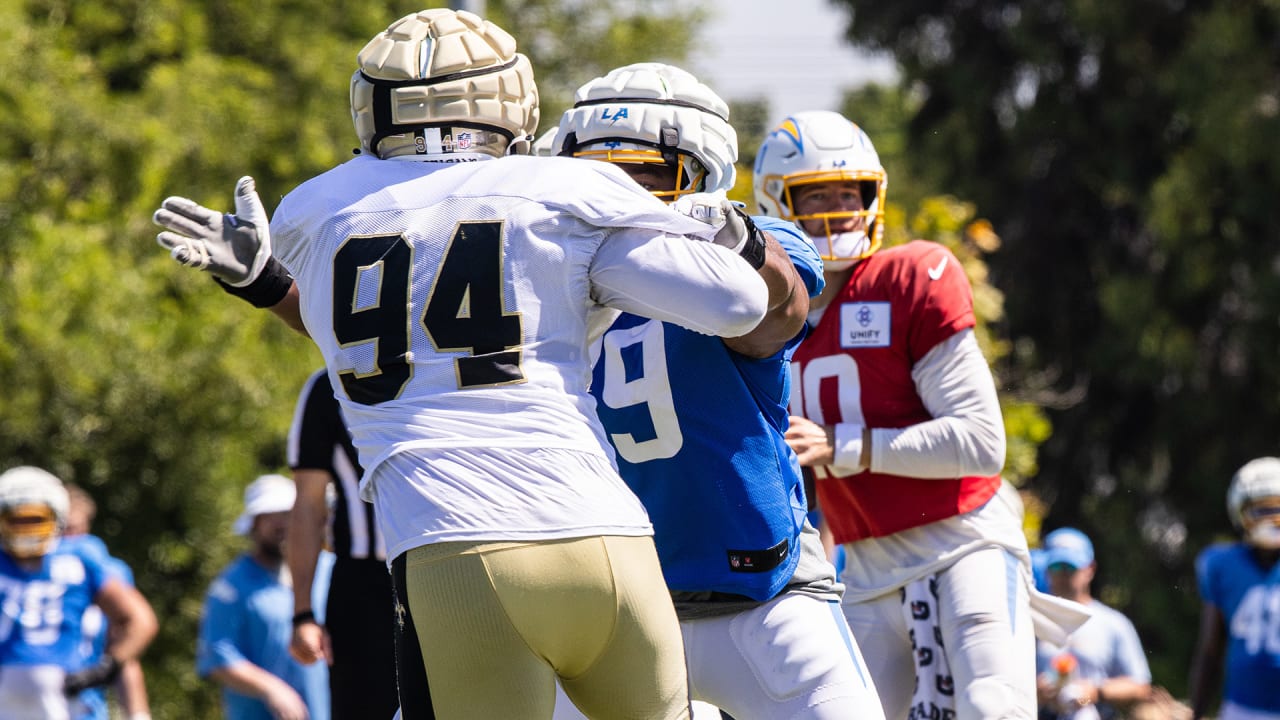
(848, 448)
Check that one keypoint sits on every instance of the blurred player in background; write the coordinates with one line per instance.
(452, 292)
(697, 424)
(895, 409)
(358, 637)
(130, 686)
(1240, 595)
(46, 587)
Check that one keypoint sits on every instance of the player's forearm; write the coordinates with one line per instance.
(966, 435)
(306, 530)
(1123, 691)
(788, 305)
(247, 679)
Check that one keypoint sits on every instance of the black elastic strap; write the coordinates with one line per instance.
(754, 251)
(270, 287)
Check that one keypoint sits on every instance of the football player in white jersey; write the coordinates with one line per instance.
(698, 428)
(452, 291)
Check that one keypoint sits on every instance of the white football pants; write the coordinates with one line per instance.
(984, 627)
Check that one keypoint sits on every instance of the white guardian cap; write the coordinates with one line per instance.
(654, 113)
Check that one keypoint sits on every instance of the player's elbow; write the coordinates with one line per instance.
(987, 449)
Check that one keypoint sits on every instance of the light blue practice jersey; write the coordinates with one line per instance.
(1249, 598)
(248, 616)
(698, 431)
(41, 610)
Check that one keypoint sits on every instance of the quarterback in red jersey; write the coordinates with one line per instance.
(895, 410)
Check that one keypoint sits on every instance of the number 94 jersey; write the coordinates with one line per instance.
(1249, 598)
(451, 303)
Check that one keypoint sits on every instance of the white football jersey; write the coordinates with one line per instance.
(451, 304)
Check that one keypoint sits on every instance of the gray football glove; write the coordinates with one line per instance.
(737, 232)
(234, 248)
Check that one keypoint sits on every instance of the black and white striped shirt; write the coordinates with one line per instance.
(319, 440)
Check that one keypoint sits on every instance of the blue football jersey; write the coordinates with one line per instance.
(41, 610)
(1249, 597)
(698, 431)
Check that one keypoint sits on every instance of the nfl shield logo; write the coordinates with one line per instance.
(464, 140)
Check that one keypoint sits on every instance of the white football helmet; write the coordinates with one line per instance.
(817, 147)
(654, 113)
(1253, 502)
(440, 83)
(546, 143)
(33, 511)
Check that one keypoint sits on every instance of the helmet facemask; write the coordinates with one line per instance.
(690, 175)
(838, 249)
(29, 531)
(1261, 521)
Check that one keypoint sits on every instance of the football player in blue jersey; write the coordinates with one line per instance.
(1240, 618)
(697, 424)
(46, 585)
(130, 686)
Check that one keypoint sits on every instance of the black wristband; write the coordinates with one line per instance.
(306, 616)
(754, 250)
(270, 287)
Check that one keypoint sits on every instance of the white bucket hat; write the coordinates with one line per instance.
(267, 494)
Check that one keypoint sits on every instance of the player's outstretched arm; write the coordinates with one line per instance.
(234, 248)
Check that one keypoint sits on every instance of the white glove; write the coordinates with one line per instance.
(715, 210)
(736, 231)
(233, 247)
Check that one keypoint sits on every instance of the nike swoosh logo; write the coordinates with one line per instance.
(936, 272)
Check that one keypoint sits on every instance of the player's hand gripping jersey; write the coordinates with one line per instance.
(451, 303)
(856, 367)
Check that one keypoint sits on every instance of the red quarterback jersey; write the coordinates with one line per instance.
(855, 367)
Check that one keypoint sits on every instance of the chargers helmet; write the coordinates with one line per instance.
(654, 113)
(33, 511)
(1253, 502)
(439, 82)
(815, 147)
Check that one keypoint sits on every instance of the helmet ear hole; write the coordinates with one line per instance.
(868, 190)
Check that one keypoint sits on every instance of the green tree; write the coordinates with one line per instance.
(1127, 155)
(143, 382)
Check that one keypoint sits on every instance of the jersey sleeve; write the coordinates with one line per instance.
(1207, 577)
(219, 628)
(798, 247)
(696, 285)
(317, 420)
